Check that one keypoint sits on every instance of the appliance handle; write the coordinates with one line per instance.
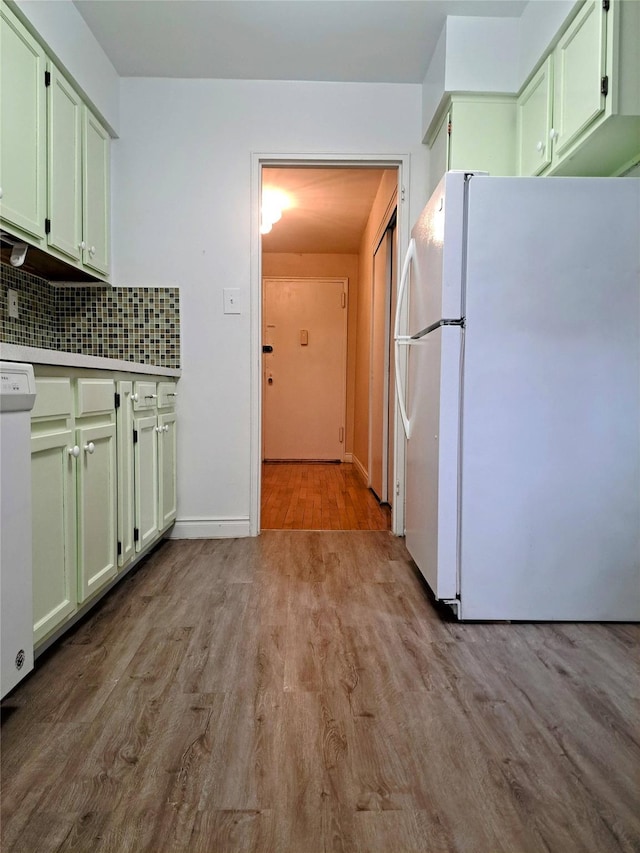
(402, 339)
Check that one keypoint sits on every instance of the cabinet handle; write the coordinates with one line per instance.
(158, 429)
(166, 427)
(74, 451)
(540, 147)
(150, 396)
(92, 251)
(135, 398)
(90, 448)
(82, 245)
(553, 134)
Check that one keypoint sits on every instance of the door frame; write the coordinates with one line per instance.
(390, 216)
(350, 161)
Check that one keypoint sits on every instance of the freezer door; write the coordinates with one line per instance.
(436, 291)
(432, 482)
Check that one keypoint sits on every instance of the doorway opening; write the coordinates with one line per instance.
(327, 271)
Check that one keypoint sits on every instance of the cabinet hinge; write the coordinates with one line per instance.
(604, 86)
(119, 549)
(47, 78)
(402, 194)
(116, 400)
(605, 5)
(449, 129)
(135, 436)
(136, 534)
(47, 226)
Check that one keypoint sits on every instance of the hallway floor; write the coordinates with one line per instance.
(298, 692)
(318, 496)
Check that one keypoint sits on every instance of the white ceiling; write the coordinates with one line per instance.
(376, 41)
(328, 209)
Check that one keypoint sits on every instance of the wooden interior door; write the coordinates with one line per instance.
(304, 376)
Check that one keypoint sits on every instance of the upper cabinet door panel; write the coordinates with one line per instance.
(23, 122)
(534, 122)
(96, 225)
(579, 66)
(64, 166)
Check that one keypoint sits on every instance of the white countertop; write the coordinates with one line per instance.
(34, 355)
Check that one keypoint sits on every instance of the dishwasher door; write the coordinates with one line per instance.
(17, 396)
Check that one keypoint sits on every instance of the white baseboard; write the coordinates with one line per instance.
(210, 528)
(361, 470)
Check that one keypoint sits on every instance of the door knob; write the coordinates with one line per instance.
(270, 380)
(74, 451)
(90, 448)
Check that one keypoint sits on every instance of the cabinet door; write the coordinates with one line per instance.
(534, 122)
(97, 515)
(146, 480)
(23, 123)
(126, 477)
(167, 495)
(64, 159)
(483, 134)
(95, 200)
(54, 530)
(578, 68)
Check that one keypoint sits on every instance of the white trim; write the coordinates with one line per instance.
(348, 457)
(258, 160)
(361, 471)
(211, 528)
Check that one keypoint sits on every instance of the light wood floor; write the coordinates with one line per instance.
(298, 693)
(318, 496)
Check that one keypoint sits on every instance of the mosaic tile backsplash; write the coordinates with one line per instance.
(139, 324)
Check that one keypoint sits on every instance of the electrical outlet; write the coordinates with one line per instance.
(12, 303)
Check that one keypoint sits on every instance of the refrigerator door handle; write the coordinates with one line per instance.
(399, 339)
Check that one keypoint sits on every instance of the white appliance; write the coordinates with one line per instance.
(522, 399)
(17, 396)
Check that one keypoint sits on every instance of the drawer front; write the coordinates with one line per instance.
(53, 398)
(95, 396)
(166, 395)
(147, 395)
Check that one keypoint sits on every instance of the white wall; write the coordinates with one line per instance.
(73, 46)
(539, 24)
(476, 54)
(182, 212)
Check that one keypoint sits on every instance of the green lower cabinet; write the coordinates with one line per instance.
(54, 529)
(126, 474)
(146, 480)
(97, 508)
(167, 447)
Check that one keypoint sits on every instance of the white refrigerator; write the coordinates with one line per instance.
(518, 374)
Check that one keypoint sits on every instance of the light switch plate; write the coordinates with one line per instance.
(231, 297)
(12, 303)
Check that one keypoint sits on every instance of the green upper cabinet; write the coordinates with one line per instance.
(23, 128)
(95, 199)
(534, 122)
(473, 132)
(64, 173)
(580, 112)
(54, 159)
(579, 69)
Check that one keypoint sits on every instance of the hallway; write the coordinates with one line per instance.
(318, 496)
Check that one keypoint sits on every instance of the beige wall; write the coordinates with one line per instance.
(378, 218)
(326, 266)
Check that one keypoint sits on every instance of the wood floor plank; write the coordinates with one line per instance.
(300, 692)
